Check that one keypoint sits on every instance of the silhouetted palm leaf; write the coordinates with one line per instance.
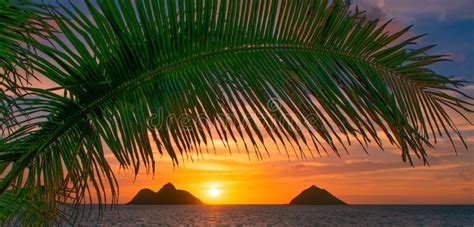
(304, 74)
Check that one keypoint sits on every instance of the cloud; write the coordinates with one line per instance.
(408, 10)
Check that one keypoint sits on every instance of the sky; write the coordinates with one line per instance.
(378, 178)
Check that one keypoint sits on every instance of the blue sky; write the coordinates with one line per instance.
(454, 37)
(449, 24)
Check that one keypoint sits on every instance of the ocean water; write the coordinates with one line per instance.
(283, 215)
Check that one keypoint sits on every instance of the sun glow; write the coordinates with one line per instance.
(214, 192)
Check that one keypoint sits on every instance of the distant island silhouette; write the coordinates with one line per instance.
(167, 195)
(316, 196)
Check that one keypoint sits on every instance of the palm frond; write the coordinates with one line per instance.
(305, 74)
(30, 207)
(21, 24)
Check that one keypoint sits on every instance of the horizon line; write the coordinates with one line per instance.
(287, 204)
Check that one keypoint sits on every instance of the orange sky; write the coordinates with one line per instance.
(378, 178)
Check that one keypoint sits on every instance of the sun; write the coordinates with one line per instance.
(214, 192)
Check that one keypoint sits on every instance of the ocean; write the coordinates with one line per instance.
(283, 215)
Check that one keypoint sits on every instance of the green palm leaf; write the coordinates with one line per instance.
(19, 22)
(305, 74)
(20, 25)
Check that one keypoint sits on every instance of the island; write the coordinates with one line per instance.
(167, 195)
(316, 196)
